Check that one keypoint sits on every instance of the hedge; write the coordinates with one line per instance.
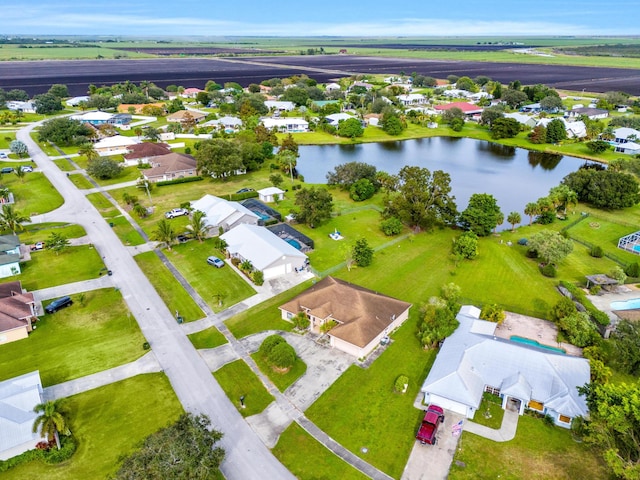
(236, 197)
(52, 456)
(179, 180)
(599, 316)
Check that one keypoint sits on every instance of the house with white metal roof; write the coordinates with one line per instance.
(94, 118)
(286, 124)
(266, 251)
(279, 105)
(18, 397)
(626, 134)
(116, 145)
(335, 118)
(270, 194)
(473, 361)
(223, 213)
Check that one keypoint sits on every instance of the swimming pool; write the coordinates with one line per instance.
(534, 343)
(293, 243)
(636, 248)
(632, 304)
(263, 216)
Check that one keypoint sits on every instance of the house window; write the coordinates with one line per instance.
(492, 390)
(289, 315)
(564, 419)
(534, 405)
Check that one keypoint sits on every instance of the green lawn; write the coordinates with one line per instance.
(38, 232)
(209, 338)
(539, 452)
(80, 181)
(109, 422)
(307, 458)
(104, 206)
(361, 408)
(490, 412)
(172, 293)
(64, 164)
(76, 341)
(125, 231)
(34, 195)
(46, 269)
(264, 316)
(237, 379)
(281, 380)
(219, 287)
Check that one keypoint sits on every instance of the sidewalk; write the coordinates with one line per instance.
(506, 432)
(105, 281)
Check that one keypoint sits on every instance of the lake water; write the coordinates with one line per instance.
(514, 176)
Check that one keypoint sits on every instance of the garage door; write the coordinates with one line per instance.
(449, 404)
(274, 271)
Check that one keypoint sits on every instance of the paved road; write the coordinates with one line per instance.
(247, 457)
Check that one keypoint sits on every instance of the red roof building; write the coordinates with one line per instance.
(467, 108)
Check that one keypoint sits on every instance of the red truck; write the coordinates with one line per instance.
(433, 417)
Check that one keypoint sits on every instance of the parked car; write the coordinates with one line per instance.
(176, 212)
(184, 237)
(37, 246)
(245, 190)
(3, 155)
(56, 305)
(26, 168)
(215, 261)
(6, 170)
(433, 417)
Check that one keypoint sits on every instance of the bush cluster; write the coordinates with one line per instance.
(178, 181)
(277, 352)
(578, 295)
(51, 456)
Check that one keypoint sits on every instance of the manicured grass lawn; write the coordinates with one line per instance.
(539, 451)
(306, 458)
(213, 284)
(80, 181)
(172, 293)
(76, 341)
(38, 232)
(264, 316)
(35, 195)
(209, 338)
(46, 269)
(109, 422)
(64, 164)
(361, 408)
(125, 231)
(490, 413)
(237, 379)
(281, 380)
(104, 206)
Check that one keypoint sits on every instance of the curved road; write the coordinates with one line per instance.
(247, 458)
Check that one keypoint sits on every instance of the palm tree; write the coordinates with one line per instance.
(144, 85)
(139, 210)
(20, 173)
(51, 420)
(513, 218)
(11, 219)
(165, 233)
(198, 225)
(88, 151)
(532, 210)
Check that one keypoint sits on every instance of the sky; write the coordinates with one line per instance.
(326, 17)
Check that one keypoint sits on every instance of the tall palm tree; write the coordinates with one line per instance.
(144, 85)
(51, 420)
(20, 173)
(11, 219)
(198, 225)
(164, 233)
(532, 210)
(88, 151)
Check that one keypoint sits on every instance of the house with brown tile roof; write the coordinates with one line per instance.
(141, 152)
(362, 317)
(170, 167)
(183, 116)
(17, 312)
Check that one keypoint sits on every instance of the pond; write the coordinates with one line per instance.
(514, 176)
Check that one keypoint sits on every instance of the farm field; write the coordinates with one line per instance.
(37, 77)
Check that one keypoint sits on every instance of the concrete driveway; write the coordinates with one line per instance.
(432, 462)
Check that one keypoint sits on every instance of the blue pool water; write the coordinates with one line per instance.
(534, 343)
(636, 248)
(261, 215)
(294, 243)
(626, 305)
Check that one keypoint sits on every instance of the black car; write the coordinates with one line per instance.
(245, 190)
(56, 305)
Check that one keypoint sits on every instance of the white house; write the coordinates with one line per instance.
(223, 213)
(591, 113)
(330, 87)
(270, 194)
(286, 125)
(361, 316)
(473, 361)
(18, 397)
(25, 107)
(94, 118)
(626, 134)
(226, 123)
(266, 251)
(628, 148)
(116, 145)
(280, 106)
(410, 99)
(522, 119)
(9, 255)
(75, 101)
(574, 129)
(335, 118)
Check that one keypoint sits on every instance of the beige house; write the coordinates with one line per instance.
(362, 317)
(170, 166)
(185, 116)
(116, 145)
(17, 312)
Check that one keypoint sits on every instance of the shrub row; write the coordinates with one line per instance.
(235, 197)
(51, 456)
(179, 180)
(578, 295)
